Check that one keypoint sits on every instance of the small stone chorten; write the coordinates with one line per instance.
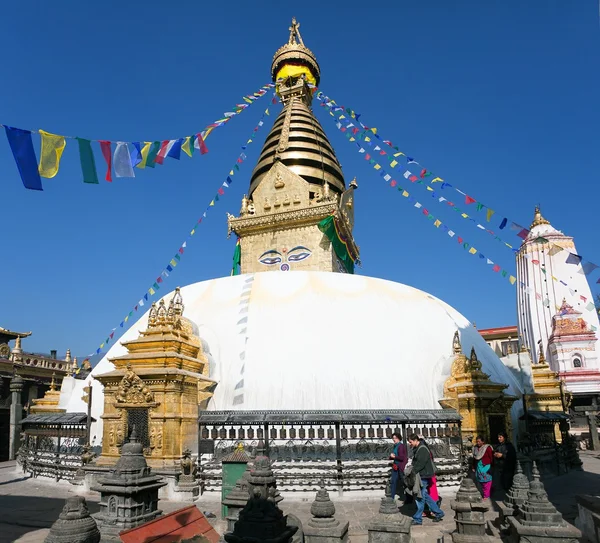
(129, 495)
(389, 526)
(74, 524)
(323, 527)
(515, 497)
(538, 520)
(261, 520)
(469, 514)
(236, 500)
(261, 477)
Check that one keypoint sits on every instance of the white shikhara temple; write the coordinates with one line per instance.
(556, 311)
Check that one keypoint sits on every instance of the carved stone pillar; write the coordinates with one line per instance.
(74, 525)
(469, 514)
(16, 414)
(324, 527)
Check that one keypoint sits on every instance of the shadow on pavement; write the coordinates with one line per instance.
(20, 515)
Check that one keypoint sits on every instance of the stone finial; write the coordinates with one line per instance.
(17, 348)
(389, 525)
(469, 513)
(68, 356)
(261, 477)
(16, 383)
(53, 382)
(541, 356)
(322, 507)
(74, 524)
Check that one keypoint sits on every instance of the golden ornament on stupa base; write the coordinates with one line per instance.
(159, 386)
(482, 403)
(49, 403)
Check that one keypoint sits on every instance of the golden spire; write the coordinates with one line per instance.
(456, 346)
(537, 218)
(474, 363)
(53, 383)
(295, 33)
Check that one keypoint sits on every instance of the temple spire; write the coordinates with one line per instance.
(295, 33)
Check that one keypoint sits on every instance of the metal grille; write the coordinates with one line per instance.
(138, 417)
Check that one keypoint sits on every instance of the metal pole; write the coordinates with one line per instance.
(338, 456)
(266, 438)
(88, 422)
(58, 452)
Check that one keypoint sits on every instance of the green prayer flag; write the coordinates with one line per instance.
(479, 206)
(327, 226)
(177, 257)
(152, 154)
(88, 163)
(237, 167)
(237, 259)
(504, 272)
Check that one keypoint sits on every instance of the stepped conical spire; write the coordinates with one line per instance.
(297, 139)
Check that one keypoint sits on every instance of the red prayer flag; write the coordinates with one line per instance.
(394, 183)
(159, 280)
(112, 335)
(355, 130)
(523, 233)
(180, 250)
(413, 178)
(203, 148)
(496, 268)
(425, 212)
(367, 156)
(107, 154)
(221, 191)
(583, 298)
(423, 172)
(460, 240)
(160, 157)
(343, 129)
(469, 200)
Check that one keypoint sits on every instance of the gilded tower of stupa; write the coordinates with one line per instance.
(298, 214)
(158, 387)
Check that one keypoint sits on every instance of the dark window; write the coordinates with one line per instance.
(577, 362)
(139, 418)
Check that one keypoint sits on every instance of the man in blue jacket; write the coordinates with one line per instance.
(423, 466)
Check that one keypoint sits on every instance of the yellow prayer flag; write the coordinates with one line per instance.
(367, 138)
(192, 232)
(489, 214)
(247, 100)
(512, 279)
(464, 215)
(267, 111)
(102, 346)
(186, 146)
(437, 180)
(509, 246)
(472, 250)
(52, 149)
(399, 154)
(352, 139)
(437, 223)
(231, 172)
(144, 152)
(208, 131)
(374, 130)
(126, 318)
(151, 291)
(405, 194)
(377, 167)
(212, 203)
(393, 163)
(429, 189)
(342, 117)
(173, 263)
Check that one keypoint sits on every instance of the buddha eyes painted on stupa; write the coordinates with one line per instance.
(285, 257)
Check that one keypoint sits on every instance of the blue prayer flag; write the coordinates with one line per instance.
(21, 146)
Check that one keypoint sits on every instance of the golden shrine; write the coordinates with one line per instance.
(158, 387)
(482, 403)
(49, 403)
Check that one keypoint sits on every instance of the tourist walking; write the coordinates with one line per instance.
(423, 468)
(483, 456)
(505, 461)
(399, 459)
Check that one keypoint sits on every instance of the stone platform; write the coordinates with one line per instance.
(28, 507)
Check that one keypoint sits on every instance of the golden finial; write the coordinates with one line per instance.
(152, 315)
(17, 348)
(295, 37)
(52, 383)
(541, 357)
(474, 363)
(178, 302)
(509, 348)
(353, 184)
(537, 218)
(474, 325)
(68, 356)
(456, 346)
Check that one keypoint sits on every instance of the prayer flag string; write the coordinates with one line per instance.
(127, 155)
(176, 259)
(344, 126)
(424, 177)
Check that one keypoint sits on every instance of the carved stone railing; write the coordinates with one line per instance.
(349, 450)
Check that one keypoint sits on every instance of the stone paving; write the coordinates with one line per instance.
(28, 507)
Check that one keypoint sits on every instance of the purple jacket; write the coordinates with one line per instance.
(401, 456)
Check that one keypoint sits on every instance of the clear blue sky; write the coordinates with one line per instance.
(498, 97)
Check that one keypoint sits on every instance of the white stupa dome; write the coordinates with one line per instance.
(318, 340)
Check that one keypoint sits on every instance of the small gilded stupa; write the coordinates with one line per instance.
(298, 214)
(49, 403)
(158, 387)
(483, 404)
